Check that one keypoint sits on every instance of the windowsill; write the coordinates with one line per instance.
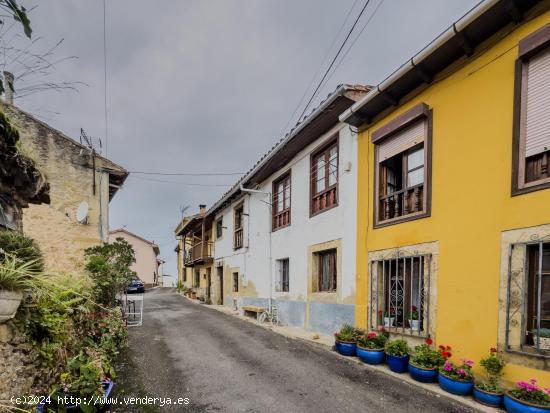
(280, 227)
(404, 331)
(531, 187)
(404, 218)
(312, 214)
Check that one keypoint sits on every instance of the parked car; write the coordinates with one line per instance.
(135, 286)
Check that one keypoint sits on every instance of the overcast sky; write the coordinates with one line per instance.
(207, 86)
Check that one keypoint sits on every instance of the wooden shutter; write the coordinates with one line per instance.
(537, 125)
(401, 141)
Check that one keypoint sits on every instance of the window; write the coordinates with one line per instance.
(324, 178)
(532, 114)
(528, 306)
(281, 202)
(402, 167)
(184, 274)
(238, 227)
(398, 294)
(326, 266)
(282, 284)
(219, 228)
(235, 282)
(197, 278)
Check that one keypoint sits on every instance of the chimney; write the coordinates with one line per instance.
(202, 209)
(8, 87)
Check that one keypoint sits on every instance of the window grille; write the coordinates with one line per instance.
(399, 294)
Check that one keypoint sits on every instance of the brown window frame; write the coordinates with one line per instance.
(238, 232)
(281, 219)
(330, 193)
(415, 114)
(283, 284)
(528, 47)
(219, 228)
(235, 280)
(333, 277)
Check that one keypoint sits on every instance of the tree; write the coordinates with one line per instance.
(109, 266)
(19, 13)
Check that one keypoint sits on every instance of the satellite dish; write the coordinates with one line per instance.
(82, 212)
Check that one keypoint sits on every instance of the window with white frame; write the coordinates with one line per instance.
(283, 270)
(399, 294)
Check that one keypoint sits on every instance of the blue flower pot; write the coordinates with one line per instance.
(422, 374)
(513, 405)
(458, 387)
(370, 356)
(487, 398)
(346, 348)
(397, 364)
(107, 385)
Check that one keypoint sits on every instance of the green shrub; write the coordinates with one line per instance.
(348, 333)
(19, 245)
(427, 357)
(372, 341)
(398, 347)
(493, 365)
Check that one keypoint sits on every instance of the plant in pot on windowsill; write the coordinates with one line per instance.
(346, 340)
(456, 379)
(397, 355)
(370, 347)
(542, 336)
(16, 276)
(388, 317)
(414, 319)
(425, 362)
(527, 397)
(490, 392)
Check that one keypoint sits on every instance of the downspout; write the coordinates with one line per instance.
(255, 191)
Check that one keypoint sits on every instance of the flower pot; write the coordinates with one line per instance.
(488, 398)
(415, 325)
(514, 405)
(544, 342)
(9, 303)
(346, 348)
(397, 364)
(388, 321)
(458, 387)
(423, 374)
(370, 356)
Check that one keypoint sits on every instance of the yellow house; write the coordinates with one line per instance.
(453, 238)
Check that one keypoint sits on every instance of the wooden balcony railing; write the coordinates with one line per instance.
(238, 239)
(323, 200)
(404, 202)
(199, 252)
(282, 219)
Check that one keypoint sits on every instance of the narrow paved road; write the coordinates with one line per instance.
(226, 364)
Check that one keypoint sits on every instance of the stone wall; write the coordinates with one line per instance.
(69, 171)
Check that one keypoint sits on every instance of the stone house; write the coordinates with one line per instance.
(148, 266)
(78, 177)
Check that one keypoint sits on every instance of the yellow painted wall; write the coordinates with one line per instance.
(471, 201)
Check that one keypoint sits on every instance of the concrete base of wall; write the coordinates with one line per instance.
(310, 315)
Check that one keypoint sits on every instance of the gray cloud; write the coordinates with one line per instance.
(207, 85)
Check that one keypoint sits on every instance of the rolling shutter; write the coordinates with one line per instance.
(537, 127)
(403, 140)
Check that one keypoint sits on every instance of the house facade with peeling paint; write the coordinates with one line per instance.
(453, 237)
(284, 235)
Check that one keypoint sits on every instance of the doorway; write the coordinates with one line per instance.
(208, 284)
(220, 283)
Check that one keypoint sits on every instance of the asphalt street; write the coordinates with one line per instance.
(224, 364)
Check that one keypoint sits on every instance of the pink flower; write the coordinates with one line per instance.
(547, 391)
(467, 362)
(372, 334)
(461, 372)
(448, 366)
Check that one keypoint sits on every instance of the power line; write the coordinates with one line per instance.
(320, 66)
(334, 59)
(180, 183)
(186, 173)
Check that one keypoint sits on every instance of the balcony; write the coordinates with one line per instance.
(199, 253)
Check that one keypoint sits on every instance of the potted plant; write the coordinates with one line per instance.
(456, 379)
(527, 397)
(346, 340)
(425, 361)
(16, 276)
(490, 392)
(542, 336)
(414, 319)
(370, 347)
(397, 355)
(388, 317)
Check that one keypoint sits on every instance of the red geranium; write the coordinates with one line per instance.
(429, 341)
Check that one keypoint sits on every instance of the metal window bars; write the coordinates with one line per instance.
(399, 294)
(524, 299)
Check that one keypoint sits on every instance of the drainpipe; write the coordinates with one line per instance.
(255, 191)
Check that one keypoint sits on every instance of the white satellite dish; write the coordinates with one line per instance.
(82, 212)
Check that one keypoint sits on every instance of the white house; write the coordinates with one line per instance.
(285, 233)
